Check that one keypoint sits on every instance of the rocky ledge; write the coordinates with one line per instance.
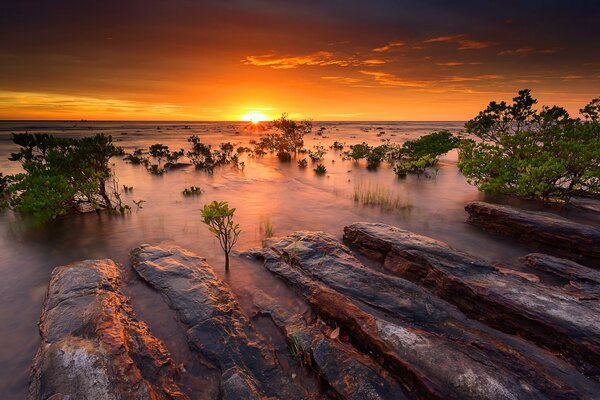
(215, 326)
(517, 303)
(423, 342)
(92, 346)
(554, 234)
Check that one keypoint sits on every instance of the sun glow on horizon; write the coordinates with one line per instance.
(255, 117)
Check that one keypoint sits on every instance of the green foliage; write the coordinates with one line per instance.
(318, 153)
(542, 154)
(358, 151)
(61, 174)
(434, 144)
(284, 156)
(192, 191)
(3, 183)
(303, 163)
(289, 138)
(203, 157)
(337, 145)
(417, 166)
(376, 155)
(219, 218)
(320, 169)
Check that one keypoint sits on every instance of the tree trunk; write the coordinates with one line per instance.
(227, 262)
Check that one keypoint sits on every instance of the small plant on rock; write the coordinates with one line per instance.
(219, 218)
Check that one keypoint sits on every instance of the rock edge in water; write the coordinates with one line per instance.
(215, 326)
(427, 344)
(554, 318)
(92, 346)
(555, 234)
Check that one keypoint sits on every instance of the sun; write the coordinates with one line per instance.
(255, 117)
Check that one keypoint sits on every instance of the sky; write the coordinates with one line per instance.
(325, 60)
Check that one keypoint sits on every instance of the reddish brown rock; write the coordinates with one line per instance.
(556, 235)
(92, 346)
(427, 344)
(342, 369)
(545, 314)
(215, 326)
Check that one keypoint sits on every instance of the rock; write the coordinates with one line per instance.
(92, 346)
(215, 326)
(427, 344)
(551, 317)
(573, 276)
(555, 234)
(348, 373)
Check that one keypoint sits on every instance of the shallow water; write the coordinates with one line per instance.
(266, 192)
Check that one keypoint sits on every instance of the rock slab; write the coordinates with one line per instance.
(515, 303)
(427, 344)
(215, 326)
(92, 346)
(555, 234)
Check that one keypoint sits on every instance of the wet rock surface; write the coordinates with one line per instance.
(579, 279)
(216, 328)
(429, 346)
(554, 318)
(554, 234)
(92, 345)
(344, 372)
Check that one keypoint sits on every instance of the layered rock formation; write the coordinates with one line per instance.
(427, 344)
(545, 314)
(554, 234)
(92, 346)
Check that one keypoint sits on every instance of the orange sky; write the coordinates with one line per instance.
(338, 60)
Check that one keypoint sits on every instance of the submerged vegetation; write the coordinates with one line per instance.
(62, 175)
(320, 169)
(219, 218)
(545, 154)
(288, 139)
(378, 196)
(192, 191)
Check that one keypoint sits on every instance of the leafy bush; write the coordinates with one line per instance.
(337, 145)
(219, 218)
(290, 136)
(320, 169)
(192, 191)
(317, 154)
(543, 154)
(284, 156)
(62, 175)
(435, 144)
(417, 166)
(358, 151)
(303, 163)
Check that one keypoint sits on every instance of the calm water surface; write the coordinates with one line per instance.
(265, 193)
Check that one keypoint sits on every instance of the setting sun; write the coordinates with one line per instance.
(255, 117)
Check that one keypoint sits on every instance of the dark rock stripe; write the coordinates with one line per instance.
(566, 270)
(556, 235)
(549, 316)
(216, 327)
(92, 346)
(351, 374)
(426, 343)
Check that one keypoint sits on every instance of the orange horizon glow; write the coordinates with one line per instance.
(169, 61)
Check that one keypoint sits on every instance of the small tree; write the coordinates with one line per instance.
(542, 154)
(219, 218)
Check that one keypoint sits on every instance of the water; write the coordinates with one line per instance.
(265, 192)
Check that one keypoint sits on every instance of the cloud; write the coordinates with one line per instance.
(388, 79)
(462, 40)
(320, 58)
(456, 63)
(526, 51)
(388, 47)
(342, 79)
(473, 78)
